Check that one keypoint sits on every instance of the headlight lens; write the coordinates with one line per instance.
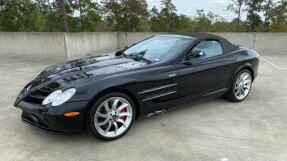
(59, 97)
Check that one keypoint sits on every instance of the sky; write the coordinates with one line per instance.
(189, 7)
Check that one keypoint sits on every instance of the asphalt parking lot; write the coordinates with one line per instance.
(215, 130)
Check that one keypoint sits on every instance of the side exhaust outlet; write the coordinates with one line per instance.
(157, 113)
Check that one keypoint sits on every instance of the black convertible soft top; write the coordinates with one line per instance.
(227, 46)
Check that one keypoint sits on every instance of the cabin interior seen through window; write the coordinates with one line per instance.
(209, 47)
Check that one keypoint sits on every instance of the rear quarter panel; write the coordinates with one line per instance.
(247, 58)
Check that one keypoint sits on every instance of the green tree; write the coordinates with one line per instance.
(237, 7)
(253, 18)
(232, 26)
(184, 23)
(126, 15)
(61, 5)
(202, 21)
(88, 18)
(20, 15)
(51, 15)
(266, 8)
(278, 17)
(168, 15)
(208, 22)
(156, 20)
(167, 20)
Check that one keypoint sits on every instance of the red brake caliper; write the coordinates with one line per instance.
(124, 117)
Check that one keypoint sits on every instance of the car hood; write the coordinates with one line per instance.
(58, 75)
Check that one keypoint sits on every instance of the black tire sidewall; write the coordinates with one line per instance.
(94, 108)
(232, 93)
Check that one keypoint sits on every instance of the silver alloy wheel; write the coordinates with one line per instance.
(242, 86)
(113, 117)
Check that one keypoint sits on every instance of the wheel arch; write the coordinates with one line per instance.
(246, 66)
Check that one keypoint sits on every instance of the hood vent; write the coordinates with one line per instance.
(131, 65)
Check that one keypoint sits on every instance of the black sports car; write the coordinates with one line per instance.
(106, 93)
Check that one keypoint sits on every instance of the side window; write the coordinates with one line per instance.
(210, 48)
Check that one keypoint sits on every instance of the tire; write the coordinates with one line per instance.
(240, 87)
(111, 117)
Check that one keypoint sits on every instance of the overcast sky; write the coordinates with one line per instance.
(189, 7)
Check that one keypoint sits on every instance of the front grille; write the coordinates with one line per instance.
(37, 96)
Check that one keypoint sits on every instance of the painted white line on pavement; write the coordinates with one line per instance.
(271, 63)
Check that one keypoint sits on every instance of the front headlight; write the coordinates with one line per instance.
(59, 97)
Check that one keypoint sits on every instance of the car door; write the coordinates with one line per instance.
(207, 74)
(155, 87)
(158, 84)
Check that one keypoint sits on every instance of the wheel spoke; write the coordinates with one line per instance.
(107, 108)
(246, 81)
(237, 82)
(102, 123)
(242, 93)
(115, 104)
(122, 122)
(247, 87)
(116, 128)
(125, 114)
(237, 92)
(102, 115)
(246, 92)
(108, 128)
(245, 77)
(124, 105)
(241, 78)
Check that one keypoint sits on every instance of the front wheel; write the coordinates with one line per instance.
(111, 116)
(240, 86)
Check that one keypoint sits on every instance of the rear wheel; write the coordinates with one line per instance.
(111, 116)
(240, 87)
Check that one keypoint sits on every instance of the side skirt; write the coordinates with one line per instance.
(223, 90)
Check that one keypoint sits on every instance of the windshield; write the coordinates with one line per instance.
(159, 48)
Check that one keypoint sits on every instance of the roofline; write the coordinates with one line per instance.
(198, 35)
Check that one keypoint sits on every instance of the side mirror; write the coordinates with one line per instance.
(193, 54)
(196, 53)
(119, 53)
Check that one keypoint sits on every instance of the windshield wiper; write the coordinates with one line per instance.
(137, 57)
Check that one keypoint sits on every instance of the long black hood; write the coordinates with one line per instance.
(55, 76)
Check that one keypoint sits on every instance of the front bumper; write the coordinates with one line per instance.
(52, 119)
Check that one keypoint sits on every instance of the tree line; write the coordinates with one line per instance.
(134, 15)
